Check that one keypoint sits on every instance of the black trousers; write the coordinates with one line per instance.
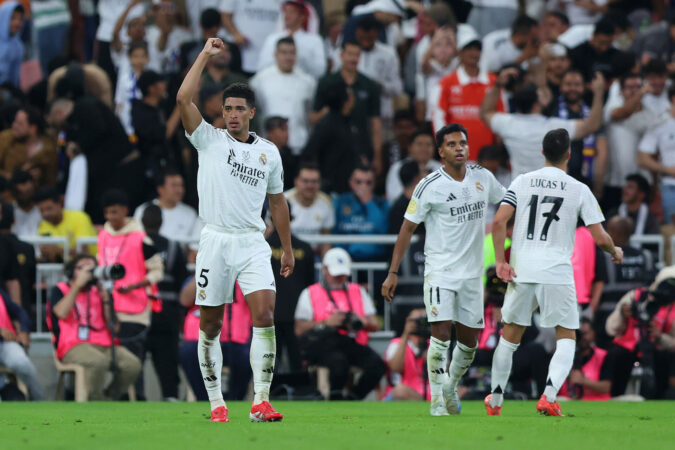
(338, 352)
(287, 341)
(105, 62)
(133, 336)
(162, 343)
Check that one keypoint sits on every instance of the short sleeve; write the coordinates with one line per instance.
(304, 310)
(511, 195)
(202, 136)
(275, 184)
(496, 190)
(649, 143)
(418, 206)
(391, 350)
(500, 123)
(368, 306)
(590, 211)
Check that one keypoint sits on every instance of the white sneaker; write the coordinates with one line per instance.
(452, 403)
(437, 407)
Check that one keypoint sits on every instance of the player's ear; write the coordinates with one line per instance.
(253, 110)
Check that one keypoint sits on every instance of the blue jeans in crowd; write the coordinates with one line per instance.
(668, 202)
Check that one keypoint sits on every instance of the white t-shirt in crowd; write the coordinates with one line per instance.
(658, 104)
(76, 188)
(26, 222)
(523, 134)
(498, 50)
(181, 221)
(548, 205)
(167, 60)
(255, 19)
(288, 95)
(305, 311)
(661, 139)
(394, 185)
(511, 4)
(111, 10)
(310, 54)
(453, 213)
(311, 219)
(580, 15)
(234, 178)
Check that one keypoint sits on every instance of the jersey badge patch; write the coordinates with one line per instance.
(434, 311)
(247, 156)
(263, 159)
(202, 294)
(412, 207)
(479, 187)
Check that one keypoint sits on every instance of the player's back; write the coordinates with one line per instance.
(548, 206)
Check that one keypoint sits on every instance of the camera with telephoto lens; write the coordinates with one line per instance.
(648, 303)
(352, 322)
(422, 327)
(107, 273)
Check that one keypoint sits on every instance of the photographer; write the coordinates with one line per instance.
(78, 316)
(642, 326)
(406, 359)
(332, 321)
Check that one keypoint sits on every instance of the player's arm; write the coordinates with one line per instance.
(189, 114)
(401, 246)
(605, 242)
(504, 213)
(592, 123)
(281, 219)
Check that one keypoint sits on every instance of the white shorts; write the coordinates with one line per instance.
(224, 258)
(557, 304)
(461, 302)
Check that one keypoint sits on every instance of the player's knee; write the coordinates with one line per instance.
(263, 319)
(211, 327)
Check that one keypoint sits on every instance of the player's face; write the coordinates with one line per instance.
(307, 183)
(115, 214)
(572, 87)
(455, 149)
(237, 115)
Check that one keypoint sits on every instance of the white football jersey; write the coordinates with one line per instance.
(453, 213)
(548, 205)
(234, 178)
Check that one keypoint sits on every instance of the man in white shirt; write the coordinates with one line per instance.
(109, 12)
(510, 45)
(313, 211)
(309, 47)
(165, 38)
(249, 22)
(27, 215)
(285, 90)
(662, 140)
(657, 100)
(421, 150)
(523, 131)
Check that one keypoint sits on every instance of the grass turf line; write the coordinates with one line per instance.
(344, 425)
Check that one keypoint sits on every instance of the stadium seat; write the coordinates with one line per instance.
(80, 381)
(16, 380)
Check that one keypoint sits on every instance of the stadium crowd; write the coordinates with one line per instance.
(350, 92)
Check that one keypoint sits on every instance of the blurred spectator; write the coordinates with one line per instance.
(650, 341)
(409, 174)
(123, 241)
(557, 63)
(635, 205)
(361, 212)
(26, 147)
(661, 139)
(210, 22)
(152, 127)
(27, 215)
(313, 211)
(590, 271)
(657, 99)
(311, 56)
(626, 120)
(332, 321)
(336, 144)
(441, 61)
(14, 344)
(24, 257)
(235, 344)
(51, 20)
(333, 23)
(10, 270)
(486, 17)
(249, 23)
(57, 221)
(516, 44)
(164, 331)
(523, 132)
(364, 109)
(590, 378)
(462, 92)
(211, 104)
(657, 42)
(127, 83)
(96, 83)
(109, 12)
(285, 90)
(406, 360)
(553, 24)
(597, 54)
(379, 62)
(494, 159)
(288, 292)
(220, 70)
(80, 321)
(276, 130)
(397, 148)
(132, 22)
(581, 12)
(588, 157)
(11, 48)
(421, 151)
(165, 38)
(386, 12)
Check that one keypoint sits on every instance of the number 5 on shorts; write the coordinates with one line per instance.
(203, 281)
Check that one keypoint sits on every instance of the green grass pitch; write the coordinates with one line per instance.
(338, 425)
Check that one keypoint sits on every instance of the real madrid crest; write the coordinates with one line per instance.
(479, 187)
(262, 159)
(202, 294)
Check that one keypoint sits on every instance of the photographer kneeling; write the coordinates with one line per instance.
(79, 313)
(642, 326)
(332, 320)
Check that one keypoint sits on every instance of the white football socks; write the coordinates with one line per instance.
(211, 364)
(462, 357)
(437, 360)
(501, 369)
(559, 368)
(262, 357)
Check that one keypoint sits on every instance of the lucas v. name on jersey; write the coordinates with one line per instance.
(246, 174)
(547, 184)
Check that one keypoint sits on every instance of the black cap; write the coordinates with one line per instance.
(147, 79)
